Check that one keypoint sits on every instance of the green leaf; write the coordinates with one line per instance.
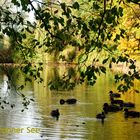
(24, 36)
(56, 11)
(117, 37)
(61, 21)
(95, 6)
(137, 76)
(121, 11)
(122, 32)
(76, 5)
(68, 10)
(23, 95)
(28, 30)
(132, 66)
(21, 87)
(32, 100)
(110, 65)
(105, 60)
(69, 21)
(110, 19)
(15, 2)
(103, 69)
(82, 58)
(2, 107)
(113, 60)
(63, 6)
(137, 91)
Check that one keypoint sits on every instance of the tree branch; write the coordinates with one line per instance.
(43, 21)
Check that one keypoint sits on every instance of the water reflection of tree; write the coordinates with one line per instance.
(5, 86)
(10, 86)
(10, 72)
(63, 78)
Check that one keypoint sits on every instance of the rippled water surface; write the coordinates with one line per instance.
(76, 122)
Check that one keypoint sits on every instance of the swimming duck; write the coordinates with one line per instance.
(132, 114)
(116, 101)
(62, 101)
(71, 101)
(128, 104)
(55, 113)
(68, 101)
(111, 108)
(101, 116)
(116, 95)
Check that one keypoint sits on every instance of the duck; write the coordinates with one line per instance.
(116, 101)
(71, 101)
(101, 116)
(68, 101)
(55, 113)
(112, 94)
(128, 104)
(111, 108)
(132, 114)
(62, 101)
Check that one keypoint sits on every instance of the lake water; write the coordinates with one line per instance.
(76, 122)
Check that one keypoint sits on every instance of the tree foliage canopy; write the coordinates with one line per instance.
(93, 29)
